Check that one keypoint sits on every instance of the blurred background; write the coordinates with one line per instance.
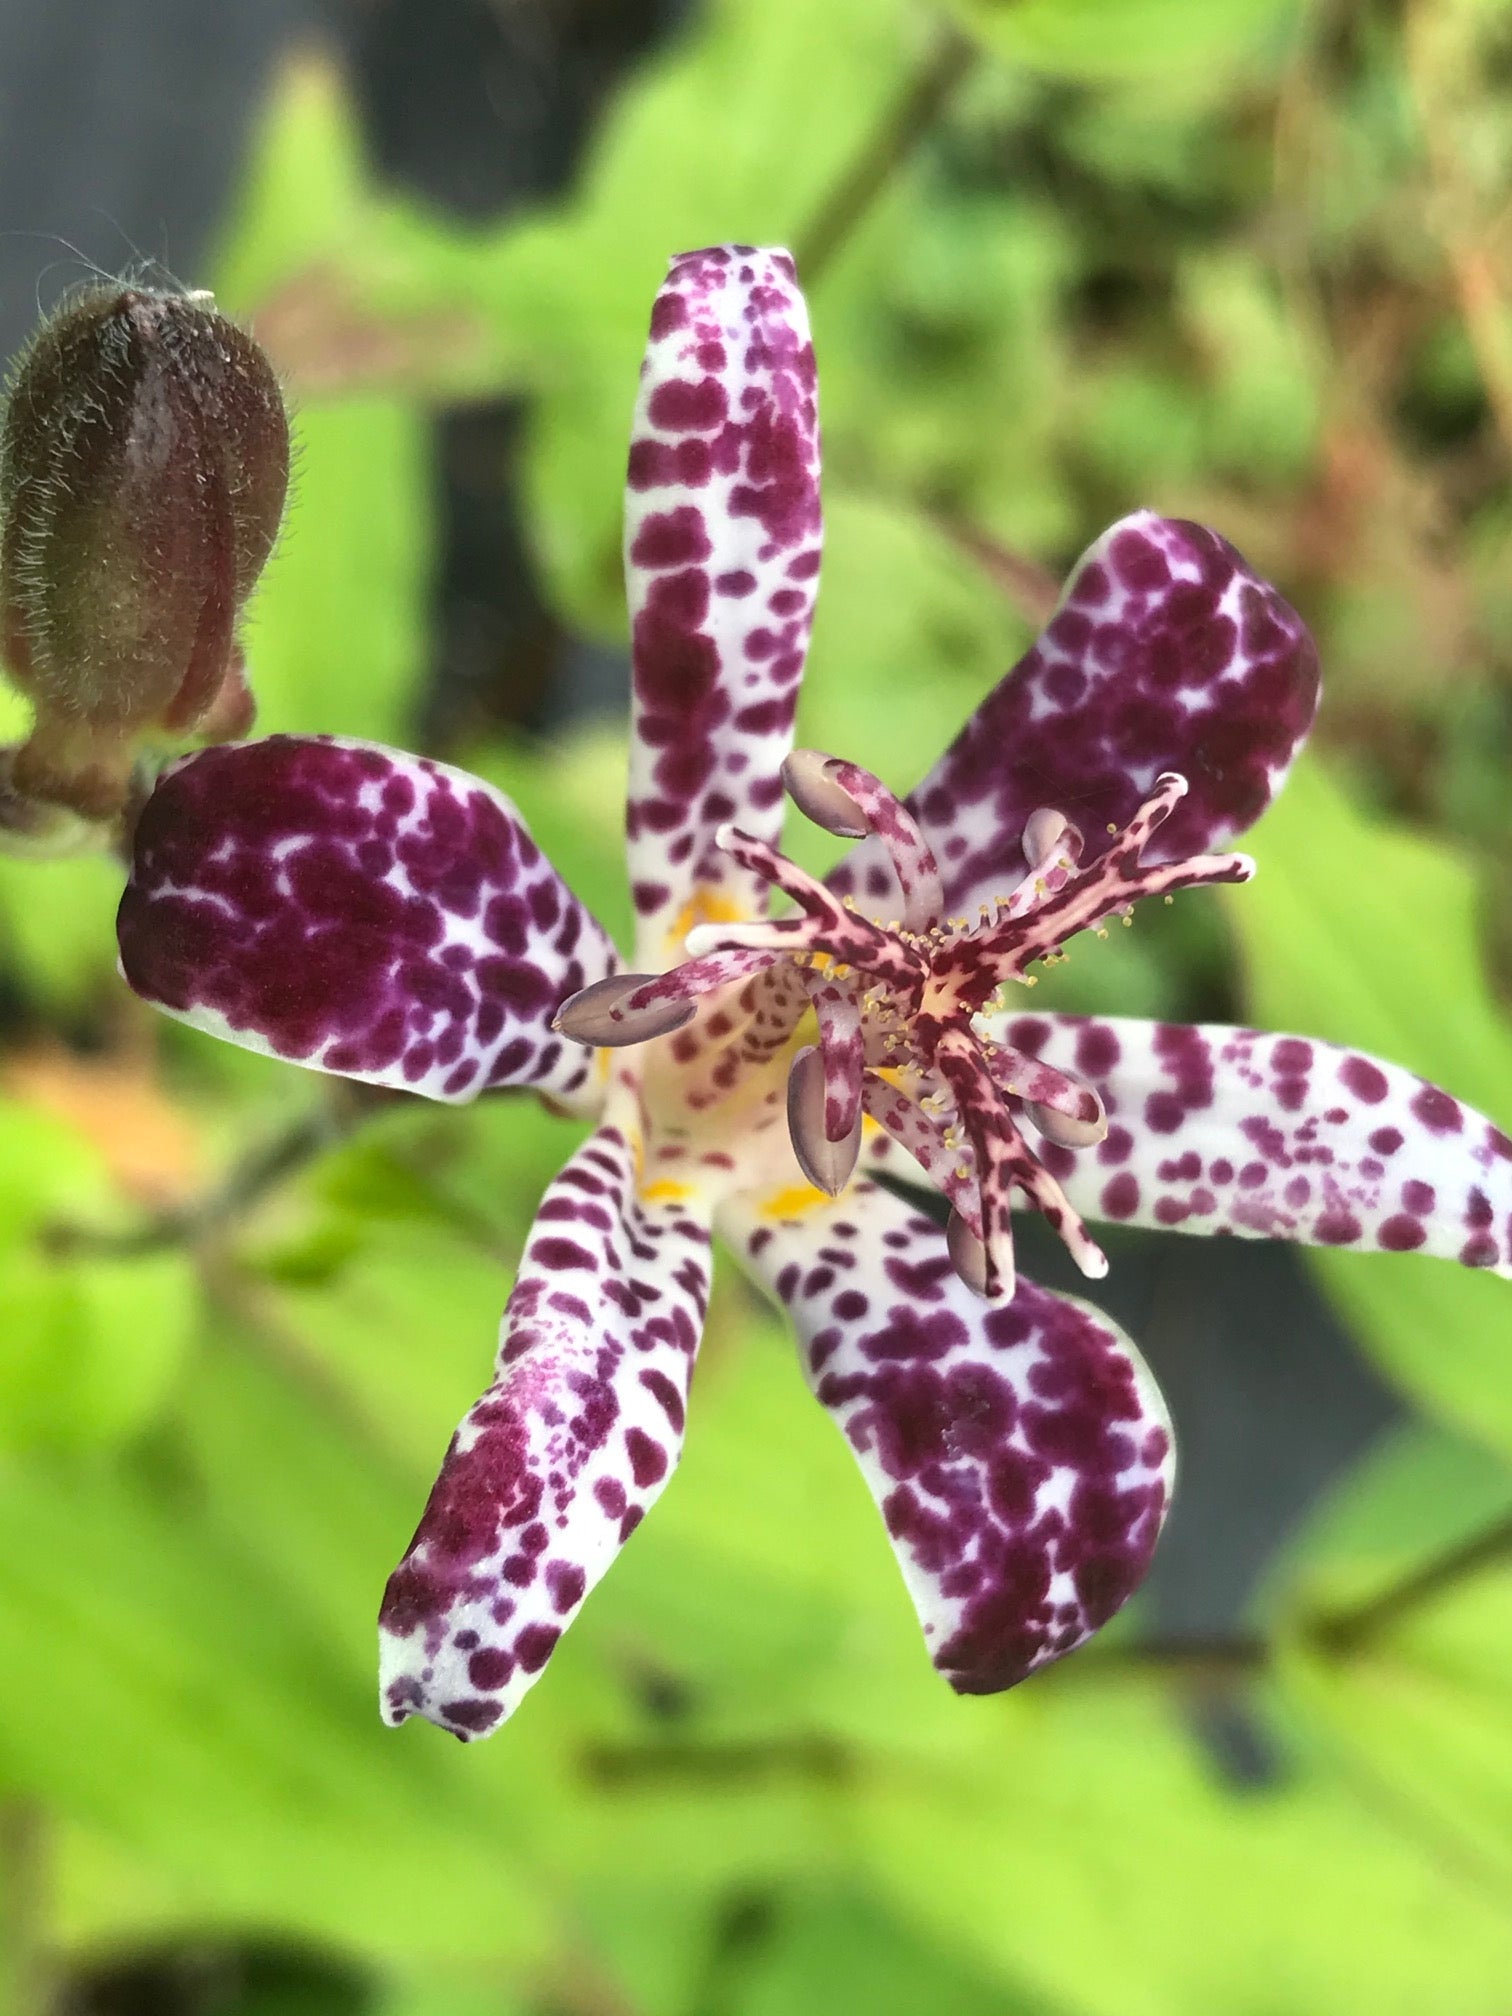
(1248, 261)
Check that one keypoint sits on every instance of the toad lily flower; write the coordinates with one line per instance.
(382, 916)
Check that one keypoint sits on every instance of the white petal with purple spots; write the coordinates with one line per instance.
(1020, 1455)
(1212, 1129)
(361, 911)
(722, 542)
(556, 1465)
(1166, 653)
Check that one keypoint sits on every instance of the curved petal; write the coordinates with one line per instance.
(1213, 1129)
(1020, 1454)
(360, 911)
(722, 538)
(554, 1468)
(1166, 653)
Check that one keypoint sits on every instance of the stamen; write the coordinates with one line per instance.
(806, 774)
(843, 798)
(602, 1014)
(1063, 1107)
(636, 1007)
(843, 1053)
(827, 1164)
(1109, 884)
(937, 1146)
(1004, 1162)
(911, 855)
(832, 927)
(903, 999)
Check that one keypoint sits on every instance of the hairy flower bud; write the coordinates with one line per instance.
(143, 466)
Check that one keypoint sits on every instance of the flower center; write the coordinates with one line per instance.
(899, 1007)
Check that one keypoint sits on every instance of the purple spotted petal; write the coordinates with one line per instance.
(556, 1465)
(1020, 1454)
(1166, 654)
(360, 911)
(722, 537)
(1214, 1129)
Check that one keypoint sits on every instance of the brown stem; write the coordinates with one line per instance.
(1337, 1633)
(1345, 1631)
(905, 123)
(617, 1765)
(1032, 589)
(1197, 1659)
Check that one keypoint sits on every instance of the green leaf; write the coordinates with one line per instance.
(180, 1644)
(1082, 1848)
(1366, 935)
(90, 1346)
(57, 926)
(336, 633)
(841, 1949)
(1146, 39)
(442, 1993)
(408, 1327)
(1416, 1706)
(1422, 1493)
(305, 189)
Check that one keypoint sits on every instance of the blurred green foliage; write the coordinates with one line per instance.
(1243, 261)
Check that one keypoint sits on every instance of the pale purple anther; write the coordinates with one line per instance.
(845, 799)
(382, 916)
(808, 777)
(826, 1159)
(1048, 835)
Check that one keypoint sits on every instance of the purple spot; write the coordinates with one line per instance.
(1401, 1235)
(688, 406)
(648, 1459)
(1438, 1112)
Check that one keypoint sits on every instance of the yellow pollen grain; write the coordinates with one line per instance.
(665, 1191)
